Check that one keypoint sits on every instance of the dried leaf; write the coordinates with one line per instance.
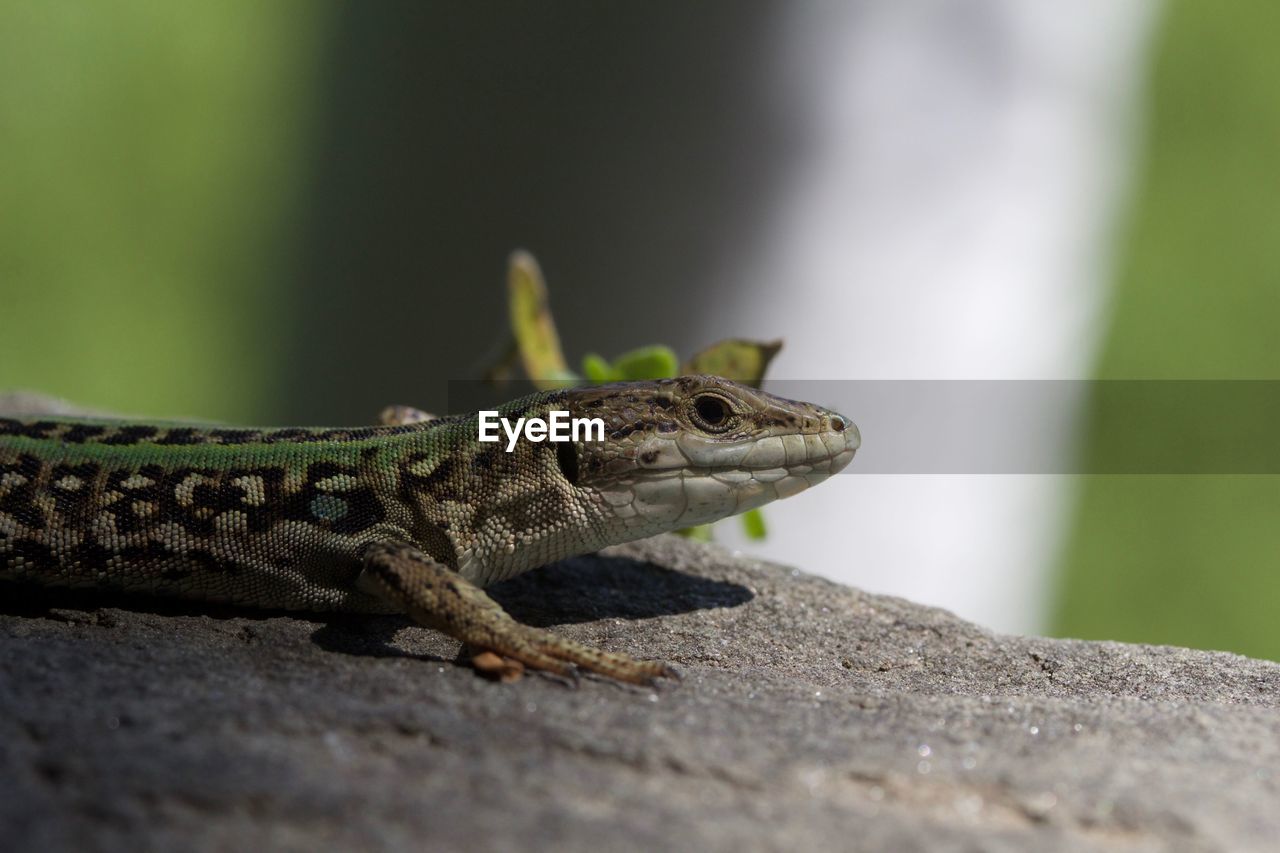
(735, 358)
(533, 326)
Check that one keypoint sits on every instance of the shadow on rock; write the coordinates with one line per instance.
(580, 589)
(583, 589)
(18, 598)
(364, 636)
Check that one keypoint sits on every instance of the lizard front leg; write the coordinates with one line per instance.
(438, 597)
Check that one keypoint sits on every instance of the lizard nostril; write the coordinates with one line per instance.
(838, 423)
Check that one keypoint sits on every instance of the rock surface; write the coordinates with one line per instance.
(810, 715)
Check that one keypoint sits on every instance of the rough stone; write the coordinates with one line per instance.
(811, 715)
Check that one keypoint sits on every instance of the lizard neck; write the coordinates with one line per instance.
(492, 513)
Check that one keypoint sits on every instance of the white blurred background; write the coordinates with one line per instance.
(951, 218)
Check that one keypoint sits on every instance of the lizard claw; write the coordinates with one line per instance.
(498, 667)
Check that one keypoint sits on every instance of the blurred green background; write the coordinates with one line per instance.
(153, 158)
(217, 211)
(1191, 561)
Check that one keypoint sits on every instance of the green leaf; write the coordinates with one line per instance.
(753, 524)
(652, 362)
(599, 370)
(701, 533)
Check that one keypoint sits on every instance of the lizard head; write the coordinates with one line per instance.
(692, 450)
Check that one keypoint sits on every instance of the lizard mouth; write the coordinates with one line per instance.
(690, 480)
(772, 455)
(781, 466)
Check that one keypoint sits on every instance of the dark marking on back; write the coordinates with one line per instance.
(19, 500)
(364, 507)
(444, 474)
(259, 518)
(235, 436)
(130, 434)
(180, 435)
(127, 519)
(29, 429)
(72, 487)
(208, 496)
(80, 433)
(124, 434)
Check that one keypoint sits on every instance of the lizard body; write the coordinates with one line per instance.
(411, 517)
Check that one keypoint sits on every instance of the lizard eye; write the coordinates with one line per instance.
(712, 413)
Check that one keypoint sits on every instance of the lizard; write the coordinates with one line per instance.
(415, 515)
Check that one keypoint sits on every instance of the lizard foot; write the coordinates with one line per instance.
(493, 665)
(438, 597)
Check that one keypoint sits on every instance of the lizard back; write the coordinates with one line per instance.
(256, 516)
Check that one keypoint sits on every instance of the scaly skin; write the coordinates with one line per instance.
(414, 517)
